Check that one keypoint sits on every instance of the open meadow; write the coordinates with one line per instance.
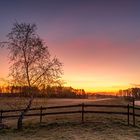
(69, 126)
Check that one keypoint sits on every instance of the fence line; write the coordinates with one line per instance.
(82, 111)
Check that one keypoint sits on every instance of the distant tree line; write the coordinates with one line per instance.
(101, 95)
(130, 93)
(49, 91)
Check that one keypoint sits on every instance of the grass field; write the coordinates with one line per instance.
(69, 127)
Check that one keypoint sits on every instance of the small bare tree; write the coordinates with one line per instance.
(31, 63)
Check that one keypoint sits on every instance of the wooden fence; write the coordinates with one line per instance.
(129, 110)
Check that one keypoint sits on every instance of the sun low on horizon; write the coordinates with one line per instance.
(98, 42)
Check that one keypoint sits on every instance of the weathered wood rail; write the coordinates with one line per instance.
(129, 110)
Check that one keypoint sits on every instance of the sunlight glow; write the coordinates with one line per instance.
(96, 86)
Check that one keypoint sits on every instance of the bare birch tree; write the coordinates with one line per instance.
(31, 62)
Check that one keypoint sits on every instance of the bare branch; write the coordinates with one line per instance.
(31, 63)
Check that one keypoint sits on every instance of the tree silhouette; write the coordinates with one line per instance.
(31, 62)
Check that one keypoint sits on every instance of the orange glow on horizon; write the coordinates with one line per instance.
(92, 86)
(103, 67)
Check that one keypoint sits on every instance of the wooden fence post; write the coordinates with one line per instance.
(134, 112)
(41, 114)
(128, 114)
(82, 112)
(1, 112)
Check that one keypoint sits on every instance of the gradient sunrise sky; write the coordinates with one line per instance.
(98, 41)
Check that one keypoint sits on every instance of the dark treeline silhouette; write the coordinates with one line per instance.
(101, 95)
(129, 93)
(49, 91)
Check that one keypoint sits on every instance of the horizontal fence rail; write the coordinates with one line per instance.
(129, 111)
(137, 108)
(109, 106)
